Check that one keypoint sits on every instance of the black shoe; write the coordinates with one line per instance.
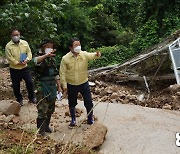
(34, 101)
(21, 102)
(41, 126)
(47, 122)
(90, 119)
(48, 129)
(72, 123)
(73, 116)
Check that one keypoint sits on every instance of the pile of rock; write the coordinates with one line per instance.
(169, 99)
(102, 92)
(10, 116)
(8, 121)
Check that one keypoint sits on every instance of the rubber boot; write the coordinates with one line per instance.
(41, 126)
(47, 122)
(73, 116)
(90, 119)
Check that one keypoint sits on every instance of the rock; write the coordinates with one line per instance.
(11, 123)
(141, 97)
(68, 120)
(95, 135)
(115, 89)
(94, 96)
(103, 99)
(125, 101)
(113, 101)
(9, 118)
(78, 112)
(13, 109)
(38, 142)
(67, 113)
(2, 118)
(176, 98)
(177, 106)
(47, 151)
(109, 91)
(5, 125)
(114, 95)
(97, 91)
(98, 83)
(178, 93)
(167, 106)
(103, 93)
(174, 88)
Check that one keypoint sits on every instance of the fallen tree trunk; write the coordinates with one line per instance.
(140, 78)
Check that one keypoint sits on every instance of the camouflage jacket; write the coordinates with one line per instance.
(44, 71)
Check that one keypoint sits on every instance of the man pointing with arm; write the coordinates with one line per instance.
(74, 78)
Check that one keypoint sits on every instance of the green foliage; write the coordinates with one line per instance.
(33, 18)
(19, 149)
(110, 55)
(112, 25)
(170, 24)
(1, 51)
(147, 36)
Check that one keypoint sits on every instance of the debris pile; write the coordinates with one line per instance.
(167, 98)
(103, 92)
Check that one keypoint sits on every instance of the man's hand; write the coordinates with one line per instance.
(98, 54)
(21, 63)
(64, 90)
(25, 62)
(59, 89)
(50, 54)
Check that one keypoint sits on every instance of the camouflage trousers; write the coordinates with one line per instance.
(45, 108)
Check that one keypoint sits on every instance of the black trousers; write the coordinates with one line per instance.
(16, 77)
(84, 89)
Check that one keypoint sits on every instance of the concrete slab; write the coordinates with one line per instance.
(135, 129)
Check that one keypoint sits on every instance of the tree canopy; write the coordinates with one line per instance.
(116, 26)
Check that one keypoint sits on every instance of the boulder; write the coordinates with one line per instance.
(95, 135)
(13, 109)
(167, 106)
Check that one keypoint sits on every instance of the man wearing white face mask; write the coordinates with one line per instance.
(18, 53)
(74, 78)
(47, 84)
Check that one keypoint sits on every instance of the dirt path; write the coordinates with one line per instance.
(59, 123)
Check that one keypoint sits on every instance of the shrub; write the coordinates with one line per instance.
(109, 56)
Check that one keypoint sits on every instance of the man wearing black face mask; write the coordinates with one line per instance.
(18, 53)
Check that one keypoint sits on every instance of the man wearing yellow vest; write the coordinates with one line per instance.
(74, 78)
(18, 53)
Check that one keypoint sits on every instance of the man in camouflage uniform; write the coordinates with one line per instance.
(47, 83)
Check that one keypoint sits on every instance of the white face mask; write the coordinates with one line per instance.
(15, 38)
(47, 50)
(77, 49)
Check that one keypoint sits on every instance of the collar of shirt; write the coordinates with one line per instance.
(12, 43)
(78, 56)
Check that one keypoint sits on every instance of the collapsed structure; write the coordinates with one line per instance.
(153, 64)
